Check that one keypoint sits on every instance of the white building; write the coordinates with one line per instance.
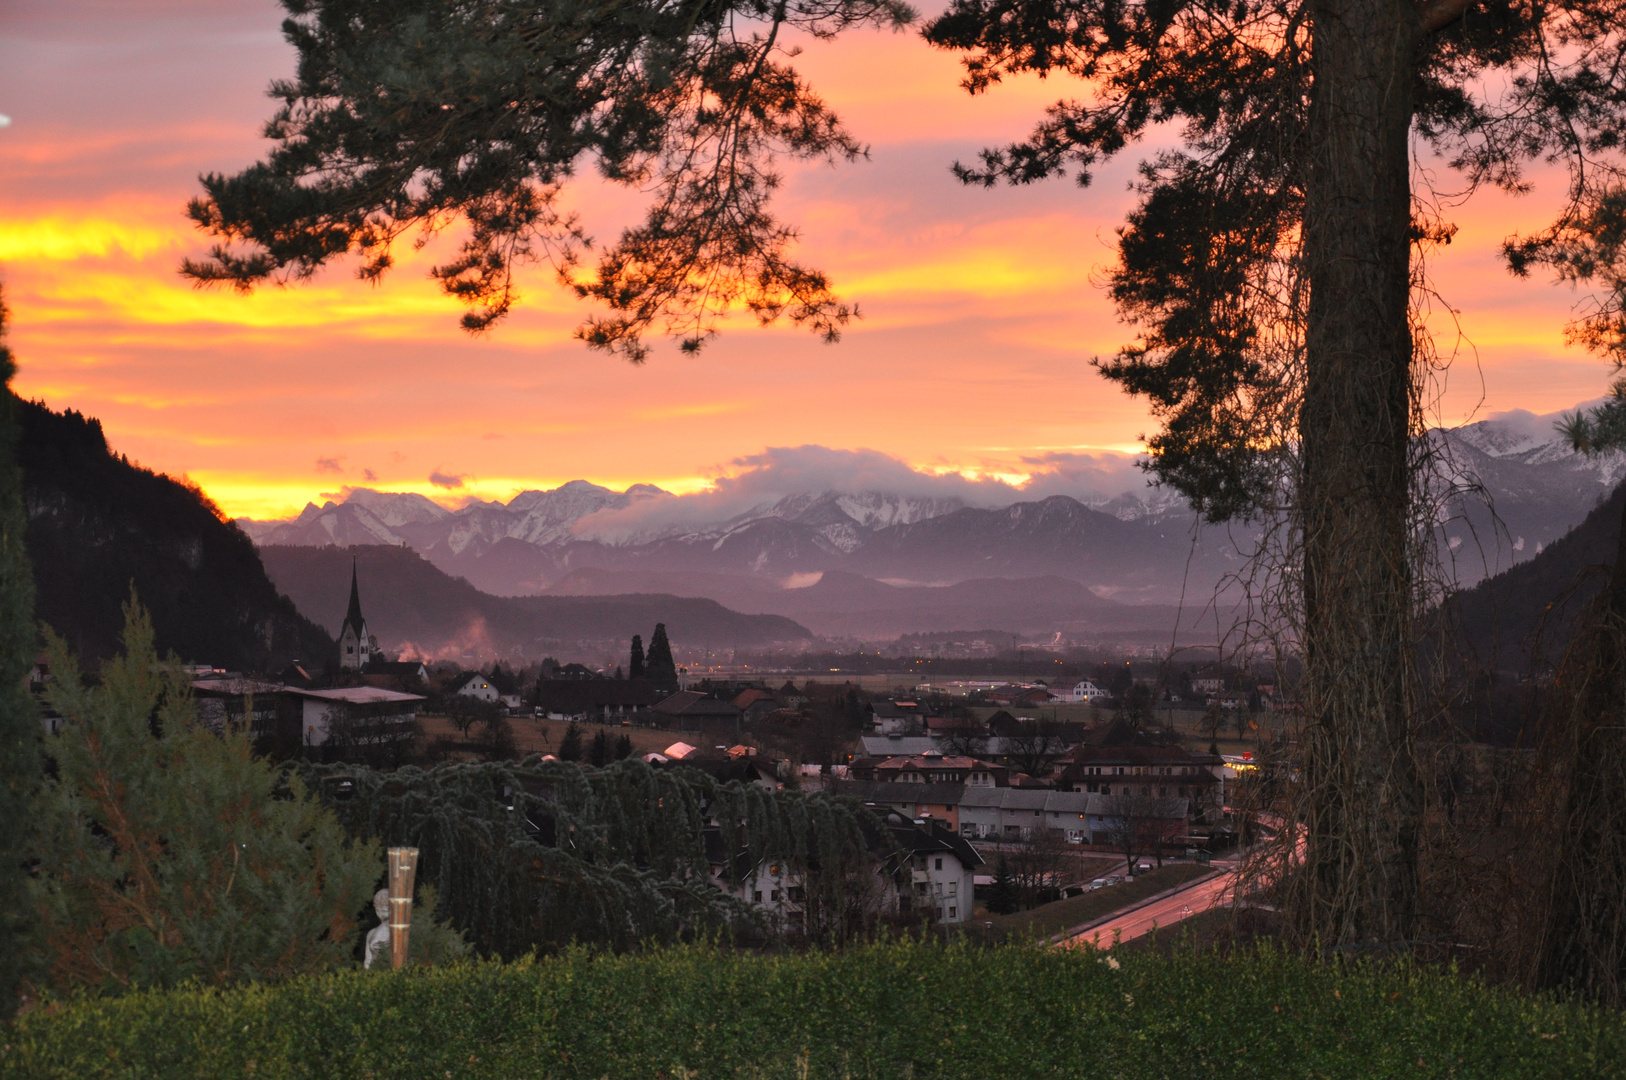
(478, 686)
(365, 715)
(1086, 691)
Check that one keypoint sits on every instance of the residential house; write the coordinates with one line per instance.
(895, 717)
(477, 686)
(354, 716)
(925, 802)
(692, 708)
(936, 768)
(1150, 771)
(1015, 813)
(942, 871)
(1026, 697)
(1010, 814)
(1085, 692)
(918, 866)
(885, 746)
(218, 701)
(754, 704)
(394, 674)
(601, 701)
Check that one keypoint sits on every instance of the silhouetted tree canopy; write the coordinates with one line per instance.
(1212, 249)
(408, 115)
(659, 667)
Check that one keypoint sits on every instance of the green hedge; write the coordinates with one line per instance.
(884, 1011)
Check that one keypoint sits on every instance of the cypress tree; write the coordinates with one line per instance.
(598, 753)
(659, 668)
(570, 747)
(635, 666)
(623, 748)
(19, 719)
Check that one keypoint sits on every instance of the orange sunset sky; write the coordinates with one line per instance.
(982, 308)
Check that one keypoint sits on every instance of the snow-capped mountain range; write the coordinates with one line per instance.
(1141, 545)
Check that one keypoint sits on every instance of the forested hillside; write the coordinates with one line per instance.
(97, 524)
(1526, 615)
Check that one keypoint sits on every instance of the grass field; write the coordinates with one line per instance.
(876, 1012)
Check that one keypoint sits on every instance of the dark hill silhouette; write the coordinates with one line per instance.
(96, 524)
(1526, 615)
(412, 605)
(840, 603)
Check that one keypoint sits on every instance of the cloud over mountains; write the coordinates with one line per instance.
(751, 483)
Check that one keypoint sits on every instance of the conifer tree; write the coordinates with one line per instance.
(570, 747)
(623, 748)
(635, 665)
(659, 667)
(170, 852)
(618, 856)
(598, 752)
(19, 718)
(1002, 894)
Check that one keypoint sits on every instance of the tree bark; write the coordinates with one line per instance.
(1363, 800)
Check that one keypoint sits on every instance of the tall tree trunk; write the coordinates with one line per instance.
(1363, 801)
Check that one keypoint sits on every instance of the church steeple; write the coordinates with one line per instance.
(355, 647)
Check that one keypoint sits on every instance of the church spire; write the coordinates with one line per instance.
(353, 617)
(355, 645)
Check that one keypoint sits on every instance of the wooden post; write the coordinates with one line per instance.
(403, 869)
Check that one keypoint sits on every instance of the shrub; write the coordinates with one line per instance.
(883, 1011)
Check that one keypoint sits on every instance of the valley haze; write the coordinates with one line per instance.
(857, 545)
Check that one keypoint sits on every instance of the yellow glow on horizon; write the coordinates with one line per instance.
(61, 238)
(264, 498)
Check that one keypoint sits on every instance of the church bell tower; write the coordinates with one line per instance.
(355, 647)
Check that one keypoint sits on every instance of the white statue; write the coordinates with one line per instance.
(378, 938)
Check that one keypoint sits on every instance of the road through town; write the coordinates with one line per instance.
(1165, 912)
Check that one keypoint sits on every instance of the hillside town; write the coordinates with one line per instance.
(963, 781)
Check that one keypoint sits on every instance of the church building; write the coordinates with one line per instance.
(356, 647)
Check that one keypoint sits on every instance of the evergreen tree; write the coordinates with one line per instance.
(410, 114)
(19, 718)
(1583, 947)
(598, 752)
(170, 852)
(623, 748)
(570, 747)
(616, 856)
(1003, 898)
(503, 679)
(635, 666)
(659, 668)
